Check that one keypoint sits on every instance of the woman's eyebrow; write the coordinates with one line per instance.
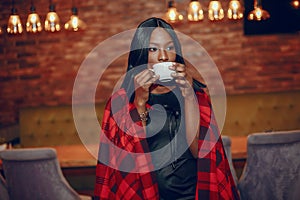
(158, 43)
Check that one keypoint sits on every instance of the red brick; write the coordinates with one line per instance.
(40, 69)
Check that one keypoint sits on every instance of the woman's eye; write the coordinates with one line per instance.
(152, 49)
(170, 48)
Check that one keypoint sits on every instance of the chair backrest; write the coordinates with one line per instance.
(272, 169)
(3, 189)
(34, 173)
(227, 146)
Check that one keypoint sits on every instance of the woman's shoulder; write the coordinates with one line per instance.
(119, 100)
(201, 93)
(198, 86)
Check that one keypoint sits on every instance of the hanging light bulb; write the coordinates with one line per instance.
(52, 20)
(33, 24)
(258, 13)
(195, 11)
(0, 31)
(235, 10)
(75, 24)
(14, 25)
(172, 15)
(295, 4)
(215, 10)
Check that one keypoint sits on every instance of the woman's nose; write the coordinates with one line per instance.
(163, 55)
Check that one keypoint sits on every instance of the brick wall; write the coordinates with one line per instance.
(39, 69)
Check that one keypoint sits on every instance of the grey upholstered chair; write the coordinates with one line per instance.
(35, 174)
(272, 169)
(227, 146)
(3, 189)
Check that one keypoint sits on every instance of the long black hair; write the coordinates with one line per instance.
(138, 55)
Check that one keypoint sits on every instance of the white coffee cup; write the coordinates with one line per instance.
(162, 69)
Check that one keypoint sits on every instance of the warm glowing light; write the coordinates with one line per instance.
(33, 23)
(195, 11)
(75, 24)
(14, 25)
(258, 13)
(215, 10)
(74, 20)
(172, 15)
(235, 10)
(295, 4)
(52, 22)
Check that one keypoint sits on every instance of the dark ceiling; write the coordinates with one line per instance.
(284, 18)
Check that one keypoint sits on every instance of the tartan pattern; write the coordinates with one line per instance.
(214, 176)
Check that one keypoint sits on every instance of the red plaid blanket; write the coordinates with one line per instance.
(123, 134)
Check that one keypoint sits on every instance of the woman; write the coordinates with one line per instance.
(160, 123)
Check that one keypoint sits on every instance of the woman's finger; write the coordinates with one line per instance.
(145, 78)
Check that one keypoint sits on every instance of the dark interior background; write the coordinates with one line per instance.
(284, 18)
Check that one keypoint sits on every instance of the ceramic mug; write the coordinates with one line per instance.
(162, 69)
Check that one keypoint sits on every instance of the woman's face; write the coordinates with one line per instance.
(161, 47)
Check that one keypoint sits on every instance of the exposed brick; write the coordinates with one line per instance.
(40, 69)
(25, 43)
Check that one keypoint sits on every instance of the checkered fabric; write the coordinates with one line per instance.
(122, 130)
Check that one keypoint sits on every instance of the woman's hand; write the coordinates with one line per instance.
(182, 78)
(143, 82)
